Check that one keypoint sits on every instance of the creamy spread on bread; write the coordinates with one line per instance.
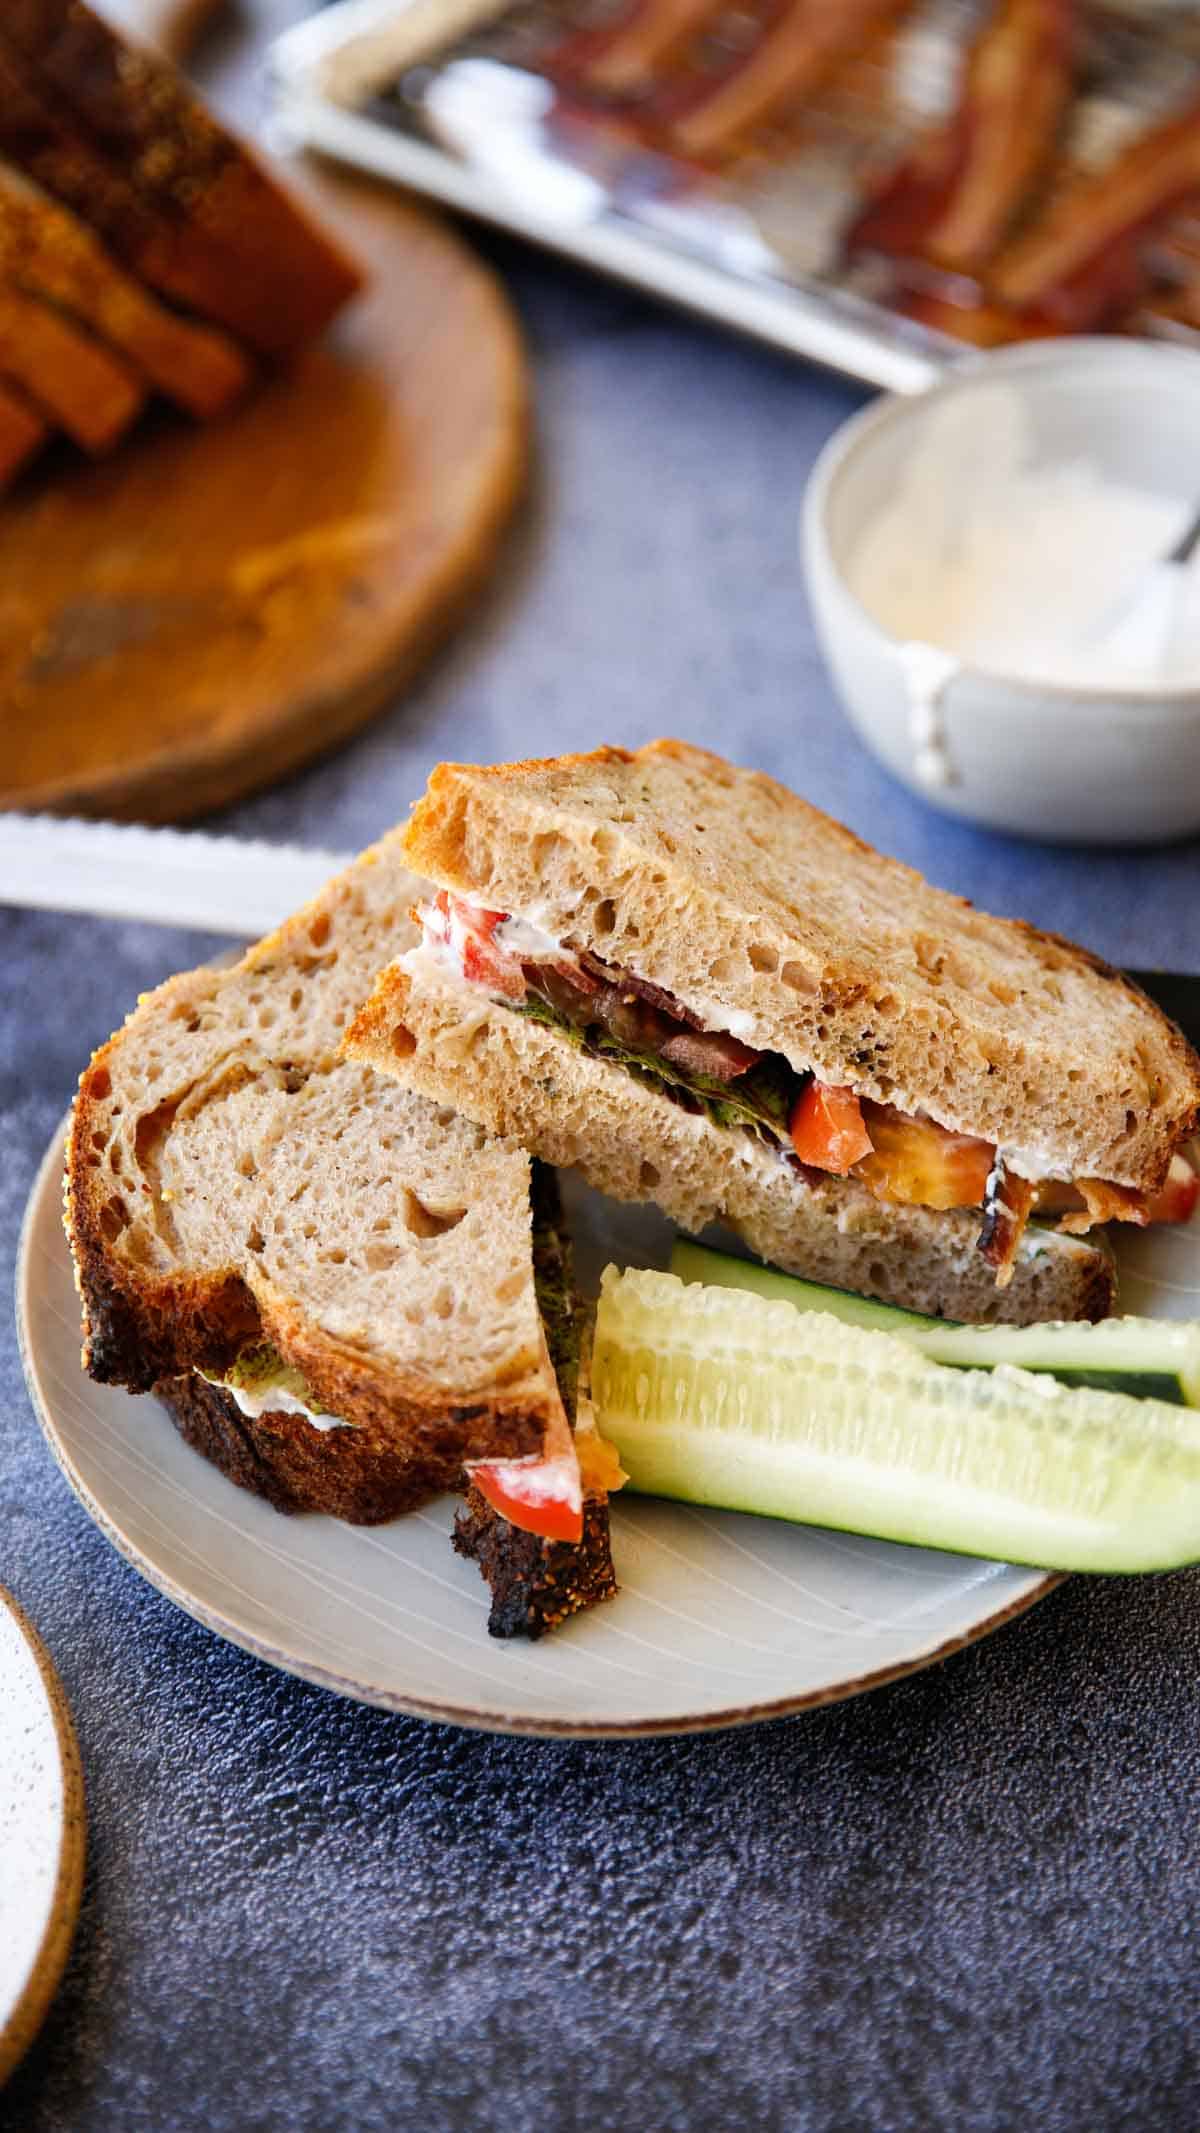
(615, 1013)
(260, 1382)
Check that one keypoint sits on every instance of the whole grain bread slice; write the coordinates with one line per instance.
(196, 214)
(90, 392)
(230, 1180)
(49, 253)
(518, 1077)
(767, 918)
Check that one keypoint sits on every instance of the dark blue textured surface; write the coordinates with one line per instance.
(967, 1901)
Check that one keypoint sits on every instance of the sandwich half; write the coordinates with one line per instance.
(681, 978)
(344, 1295)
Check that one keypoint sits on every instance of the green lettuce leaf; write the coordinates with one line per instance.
(261, 1368)
(761, 1099)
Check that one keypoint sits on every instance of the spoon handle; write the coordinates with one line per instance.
(1185, 546)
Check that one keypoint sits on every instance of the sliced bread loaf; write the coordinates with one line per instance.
(769, 919)
(207, 222)
(87, 389)
(49, 253)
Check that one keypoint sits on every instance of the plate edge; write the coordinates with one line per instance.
(473, 1720)
(50, 1961)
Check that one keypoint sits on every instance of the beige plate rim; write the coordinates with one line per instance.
(22, 2021)
(474, 1717)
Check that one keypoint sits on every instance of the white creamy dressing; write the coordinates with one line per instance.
(273, 1398)
(987, 555)
(528, 940)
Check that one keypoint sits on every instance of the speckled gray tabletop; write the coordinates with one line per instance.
(966, 1901)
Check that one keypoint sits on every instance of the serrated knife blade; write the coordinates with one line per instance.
(170, 877)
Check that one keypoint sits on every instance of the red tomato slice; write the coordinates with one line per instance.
(1176, 1200)
(827, 1128)
(539, 1495)
(922, 1164)
(483, 964)
(472, 934)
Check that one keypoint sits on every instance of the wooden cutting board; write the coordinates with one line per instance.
(212, 606)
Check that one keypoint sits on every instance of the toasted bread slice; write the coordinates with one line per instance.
(89, 391)
(195, 214)
(769, 920)
(231, 1182)
(518, 1077)
(46, 251)
(22, 433)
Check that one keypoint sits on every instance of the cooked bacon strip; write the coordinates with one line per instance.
(622, 60)
(627, 982)
(1007, 1208)
(1084, 261)
(954, 197)
(709, 1052)
(794, 56)
(1105, 1203)
(982, 325)
(1180, 308)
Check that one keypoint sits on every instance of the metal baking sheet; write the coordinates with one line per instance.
(449, 97)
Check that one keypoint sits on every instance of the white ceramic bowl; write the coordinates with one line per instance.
(1082, 764)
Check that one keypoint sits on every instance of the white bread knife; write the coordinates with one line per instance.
(170, 877)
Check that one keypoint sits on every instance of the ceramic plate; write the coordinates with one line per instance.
(721, 1618)
(41, 1833)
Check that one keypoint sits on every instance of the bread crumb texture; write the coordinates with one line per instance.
(231, 1178)
(731, 892)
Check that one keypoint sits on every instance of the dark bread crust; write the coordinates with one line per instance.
(1097, 1292)
(536, 1584)
(346, 1473)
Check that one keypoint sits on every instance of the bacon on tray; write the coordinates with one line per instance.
(799, 47)
(954, 196)
(1177, 313)
(1089, 259)
(975, 321)
(624, 59)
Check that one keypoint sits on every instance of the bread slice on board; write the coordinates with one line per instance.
(195, 214)
(230, 1181)
(769, 919)
(518, 1077)
(49, 253)
(66, 373)
(22, 433)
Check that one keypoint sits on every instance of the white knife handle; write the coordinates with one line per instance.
(172, 877)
